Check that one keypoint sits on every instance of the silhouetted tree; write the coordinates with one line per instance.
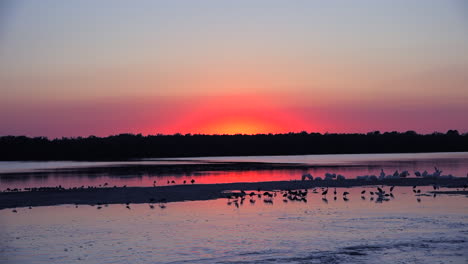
(129, 146)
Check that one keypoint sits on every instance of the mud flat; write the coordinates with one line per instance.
(190, 192)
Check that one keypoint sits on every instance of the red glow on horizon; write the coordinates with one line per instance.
(237, 115)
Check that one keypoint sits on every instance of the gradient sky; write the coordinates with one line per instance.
(79, 68)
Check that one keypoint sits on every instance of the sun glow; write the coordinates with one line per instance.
(246, 114)
(239, 126)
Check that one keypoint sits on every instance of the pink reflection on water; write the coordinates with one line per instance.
(203, 177)
(188, 231)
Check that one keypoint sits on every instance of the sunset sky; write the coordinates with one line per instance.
(79, 68)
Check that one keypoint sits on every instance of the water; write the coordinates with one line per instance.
(402, 230)
(145, 172)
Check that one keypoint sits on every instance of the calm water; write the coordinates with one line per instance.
(26, 174)
(402, 230)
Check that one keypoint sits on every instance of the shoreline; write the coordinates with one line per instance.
(195, 192)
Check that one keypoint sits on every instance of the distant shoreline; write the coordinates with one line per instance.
(125, 147)
(192, 192)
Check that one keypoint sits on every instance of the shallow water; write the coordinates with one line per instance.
(401, 230)
(349, 165)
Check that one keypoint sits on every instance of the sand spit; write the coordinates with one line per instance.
(176, 193)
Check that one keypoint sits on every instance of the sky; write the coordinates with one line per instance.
(80, 68)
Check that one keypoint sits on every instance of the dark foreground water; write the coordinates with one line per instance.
(405, 229)
(145, 172)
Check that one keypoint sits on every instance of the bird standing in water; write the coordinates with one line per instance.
(324, 193)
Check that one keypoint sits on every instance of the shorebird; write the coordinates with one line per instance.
(363, 192)
(185, 181)
(334, 192)
(151, 206)
(162, 206)
(345, 193)
(324, 193)
(192, 181)
(391, 188)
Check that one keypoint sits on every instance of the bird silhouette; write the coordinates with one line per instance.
(324, 193)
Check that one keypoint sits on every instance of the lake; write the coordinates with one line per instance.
(19, 174)
(405, 229)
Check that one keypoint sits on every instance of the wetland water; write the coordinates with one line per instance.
(221, 169)
(405, 229)
(408, 227)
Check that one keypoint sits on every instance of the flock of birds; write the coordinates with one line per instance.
(383, 176)
(378, 195)
(300, 195)
(89, 187)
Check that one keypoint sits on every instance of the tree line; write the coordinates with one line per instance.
(131, 146)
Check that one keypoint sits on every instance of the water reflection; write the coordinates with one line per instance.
(212, 231)
(144, 174)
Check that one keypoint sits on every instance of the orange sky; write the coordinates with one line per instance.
(92, 68)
